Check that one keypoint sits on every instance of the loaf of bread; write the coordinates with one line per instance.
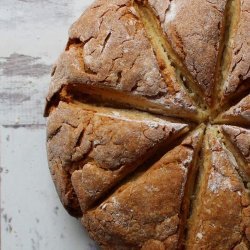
(148, 132)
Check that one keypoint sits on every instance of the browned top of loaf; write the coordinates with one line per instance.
(89, 140)
(221, 215)
(108, 48)
(148, 180)
(121, 221)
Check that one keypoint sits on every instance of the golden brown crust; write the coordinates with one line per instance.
(64, 188)
(87, 145)
(238, 78)
(220, 219)
(240, 138)
(114, 53)
(103, 160)
(238, 114)
(238, 141)
(146, 212)
(152, 245)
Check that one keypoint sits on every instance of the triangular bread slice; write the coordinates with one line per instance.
(238, 114)
(149, 210)
(193, 31)
(240, 144)
(221, 213)
(100, 146)
(110, 56)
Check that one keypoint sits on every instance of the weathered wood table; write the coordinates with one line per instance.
(32, 35)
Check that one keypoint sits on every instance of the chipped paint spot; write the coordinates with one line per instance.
(7, 221)
(56, 210)
(14, 98)
(23, 65)
(29, 126)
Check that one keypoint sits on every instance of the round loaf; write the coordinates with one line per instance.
(148, 133)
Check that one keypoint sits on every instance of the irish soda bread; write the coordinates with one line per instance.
(148, 133)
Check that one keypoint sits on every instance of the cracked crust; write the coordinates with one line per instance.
(114, 53)
(194, 37)
(86, 146)
(238, 78)
(238, 114)
(240, 138)
(105, 161)
(146, 211)
(221, 216)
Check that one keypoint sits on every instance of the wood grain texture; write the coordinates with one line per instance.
(33, 33)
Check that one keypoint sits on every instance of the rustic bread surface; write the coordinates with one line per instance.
(148, 133)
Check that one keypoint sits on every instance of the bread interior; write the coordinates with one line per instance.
(127, 114)
(201, 180)
(114, 98)
(189, 190)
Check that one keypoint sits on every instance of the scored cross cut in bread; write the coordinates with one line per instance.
(114, 59)
(96, 147)
(136, 75)
(149, 211)
(221, 214)
(237, 114)
(193, 29)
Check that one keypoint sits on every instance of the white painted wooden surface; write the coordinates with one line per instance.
(32, 35)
